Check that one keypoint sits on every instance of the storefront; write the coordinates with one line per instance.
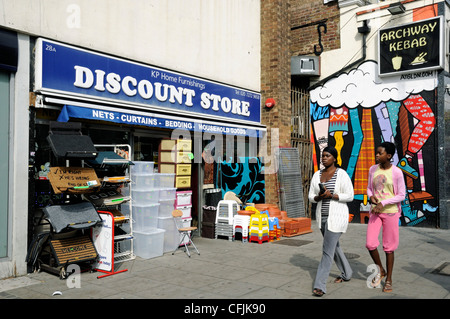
(120, 102)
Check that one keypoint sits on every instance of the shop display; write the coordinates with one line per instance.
(256, 223)
(241, 224)
(133, 202)
(259, 228)
(67, 142)
(171, 236)
(153, 197)
(175, 157)
(106, 238)
(184, 203)
(72, 216)
(75, 180)
(149, 243)
(66, 241)
(114, 237)
(226, 209)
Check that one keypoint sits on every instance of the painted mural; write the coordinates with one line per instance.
(356, 111)
(245, 178)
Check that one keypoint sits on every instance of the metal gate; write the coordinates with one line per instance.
(290, 182)
(301, 139)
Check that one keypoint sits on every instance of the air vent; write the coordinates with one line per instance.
(305, 65)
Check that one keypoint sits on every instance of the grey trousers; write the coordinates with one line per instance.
(331, 250)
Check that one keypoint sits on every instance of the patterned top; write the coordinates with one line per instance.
(330, 185)
(383, 189)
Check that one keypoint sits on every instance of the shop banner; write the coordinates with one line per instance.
(148, 120)
(80, 73)
(412, 47)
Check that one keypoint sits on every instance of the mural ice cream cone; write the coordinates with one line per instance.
(397, 62)
(339, 128)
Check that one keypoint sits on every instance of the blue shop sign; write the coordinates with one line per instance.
(151, 120)
(80, 73)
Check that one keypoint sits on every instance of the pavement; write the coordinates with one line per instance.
(252, 272)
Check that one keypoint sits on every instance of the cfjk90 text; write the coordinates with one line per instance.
(244, 309)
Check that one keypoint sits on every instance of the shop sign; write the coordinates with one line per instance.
(76, 72)
(150, 120)
(412, 47)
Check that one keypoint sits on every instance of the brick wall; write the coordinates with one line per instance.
(304, 17)
(278, 44)
(275, 78)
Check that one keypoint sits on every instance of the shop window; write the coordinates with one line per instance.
(146, 149)
(107, 136)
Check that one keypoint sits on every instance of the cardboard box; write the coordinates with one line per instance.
(73, 179)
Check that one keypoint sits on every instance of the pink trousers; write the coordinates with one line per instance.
(389, 222)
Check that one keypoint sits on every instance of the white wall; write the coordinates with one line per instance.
(215, 39)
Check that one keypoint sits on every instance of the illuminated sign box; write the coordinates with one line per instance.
(412, 47)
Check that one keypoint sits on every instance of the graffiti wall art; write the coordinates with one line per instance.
(358, 110)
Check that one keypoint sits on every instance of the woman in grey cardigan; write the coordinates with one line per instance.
(332, 216)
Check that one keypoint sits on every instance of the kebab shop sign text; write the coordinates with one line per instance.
(411, 47)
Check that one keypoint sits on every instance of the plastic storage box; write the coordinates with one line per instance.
(149, 244)
(184, 198)
(144, 197)
(167, 193)
(143, 181)
(166, 207)
(186, 210)
(171, 236)
(166, 180)
(141, 167)
(145, 216)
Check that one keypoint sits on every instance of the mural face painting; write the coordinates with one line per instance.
(358, 110)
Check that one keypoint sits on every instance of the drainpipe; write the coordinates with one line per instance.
(364, 30)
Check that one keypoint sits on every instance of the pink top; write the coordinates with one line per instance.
(398, 183)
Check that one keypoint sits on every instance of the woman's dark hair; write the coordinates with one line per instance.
(333, 152)
(389, 147)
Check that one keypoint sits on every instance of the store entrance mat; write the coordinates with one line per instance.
(73, 250)
(74, 216)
